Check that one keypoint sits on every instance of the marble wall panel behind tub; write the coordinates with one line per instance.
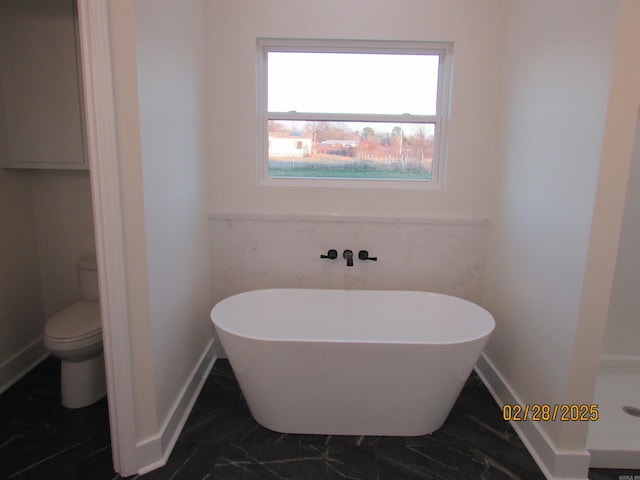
(253, 251)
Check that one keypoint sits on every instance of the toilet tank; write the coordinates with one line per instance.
(87, 268)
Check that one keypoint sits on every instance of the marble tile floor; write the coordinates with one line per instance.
(40, 439)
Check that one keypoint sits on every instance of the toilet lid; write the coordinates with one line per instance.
(78, 321)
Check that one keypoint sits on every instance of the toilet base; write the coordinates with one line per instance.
(82, 383)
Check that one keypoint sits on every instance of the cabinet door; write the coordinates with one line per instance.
(41, 101)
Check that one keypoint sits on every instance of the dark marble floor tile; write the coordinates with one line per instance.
(399, 462)
(219, 425)
(40, 439)
(69, 461)
(263, 461)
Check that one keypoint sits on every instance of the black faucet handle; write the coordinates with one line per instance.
(332, 254)
(364, 255)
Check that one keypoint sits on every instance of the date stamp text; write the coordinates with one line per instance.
(550, 413)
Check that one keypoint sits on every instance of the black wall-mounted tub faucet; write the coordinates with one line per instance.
(364, 255)
(348, 255)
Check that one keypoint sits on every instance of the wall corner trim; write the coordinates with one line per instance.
(555, 464)
(102, 152)
(154, 452)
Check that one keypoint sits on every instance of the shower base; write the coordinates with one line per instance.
(614, 440)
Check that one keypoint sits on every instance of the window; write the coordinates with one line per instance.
(352, 112)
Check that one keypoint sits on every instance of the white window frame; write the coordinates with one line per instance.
(440, 120)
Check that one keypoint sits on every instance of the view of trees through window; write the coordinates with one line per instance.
(352, 150)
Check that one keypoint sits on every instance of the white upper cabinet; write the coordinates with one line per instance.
(41, 94)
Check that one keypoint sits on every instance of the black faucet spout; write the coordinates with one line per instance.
(348, 255)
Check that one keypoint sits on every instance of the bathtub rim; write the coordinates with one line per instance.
(244, 335)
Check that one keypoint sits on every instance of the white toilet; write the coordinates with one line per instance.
(74, 335)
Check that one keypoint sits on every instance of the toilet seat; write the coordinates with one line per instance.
(77, 326)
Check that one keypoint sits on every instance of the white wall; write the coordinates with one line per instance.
(475, 27)
(127, 120)
(568, 131)
(64, 226)
(425, 239)
(47, 224)
(21, 303)
(543, 242)
(172, 86)
(45, 216)
(160, 104)
(623, 327)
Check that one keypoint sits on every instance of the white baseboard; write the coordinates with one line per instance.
(21, 363)
(555, 464)
(153, 452)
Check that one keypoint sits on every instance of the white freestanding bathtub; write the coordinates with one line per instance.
(351, 362)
